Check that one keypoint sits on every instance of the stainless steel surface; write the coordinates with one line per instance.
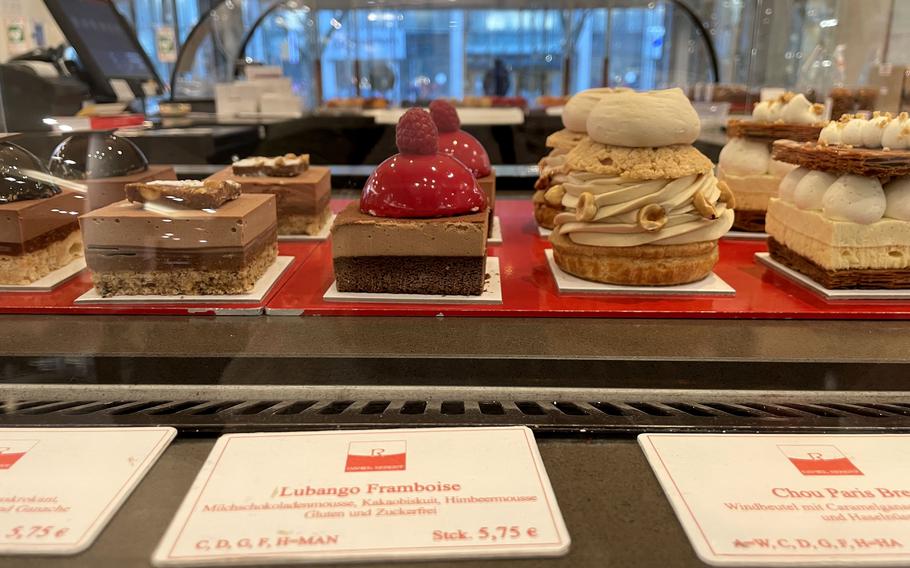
(613, 506)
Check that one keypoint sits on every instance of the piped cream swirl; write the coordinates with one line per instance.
(610, 211)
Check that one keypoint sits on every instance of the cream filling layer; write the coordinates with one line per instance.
(620, 202)
(752, 193)
(839, 245)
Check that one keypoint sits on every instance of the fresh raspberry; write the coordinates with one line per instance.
(416, 133)
(445, 116)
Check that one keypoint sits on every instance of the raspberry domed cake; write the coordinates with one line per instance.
(420, 226)
(464, 148)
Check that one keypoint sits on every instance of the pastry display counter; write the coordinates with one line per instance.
(528, 285)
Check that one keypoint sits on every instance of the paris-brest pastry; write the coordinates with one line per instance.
(553, 167)
(642, 204)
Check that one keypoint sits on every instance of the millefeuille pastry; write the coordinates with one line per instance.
(464, 148)
(302, 191)
(39, 227)
(553, 167)
(420, 226)
(745, 162)
(843, 216)
(642, 205)
(181, 238)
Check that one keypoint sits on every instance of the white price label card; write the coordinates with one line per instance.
(367, 495)
(60, 486)
(796, 500)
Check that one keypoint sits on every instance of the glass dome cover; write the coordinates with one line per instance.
(18, 183)
(96, 155)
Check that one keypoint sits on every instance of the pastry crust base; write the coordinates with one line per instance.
(185, 281)
(293, 224)
(771, 131)
(22, 269)
(546, 215)
(645, 265)
(749, 221)
(852, 279)
(866, 162)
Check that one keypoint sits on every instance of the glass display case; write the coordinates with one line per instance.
(185, 272)
(419, 52)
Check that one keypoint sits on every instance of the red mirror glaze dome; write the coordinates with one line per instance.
(419, 182)
(458, 143)
(467, 150)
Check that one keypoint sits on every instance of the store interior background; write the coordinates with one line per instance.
(434, 49)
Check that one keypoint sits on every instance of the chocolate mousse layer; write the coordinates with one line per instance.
(358, 234)
(236, 224)
(305, 194)
(30, 225)
(443, 256)
(105, 259)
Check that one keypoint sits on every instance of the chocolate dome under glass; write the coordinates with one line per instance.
(96, 155)
(15, 183)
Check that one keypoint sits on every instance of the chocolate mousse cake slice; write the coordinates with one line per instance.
(158, 249)
(302, 192)
(39, 227)
(420, 226)
(409, 256)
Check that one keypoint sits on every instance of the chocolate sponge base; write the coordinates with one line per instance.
(445, 275)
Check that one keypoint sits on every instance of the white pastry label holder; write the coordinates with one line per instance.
(320, 236)
(713, 285)
(492, 293)
(51, 281)
(496, 232)
(256, 296)
(61, 486)
(402, 495)
(788, 500)
(544, 233)
(806, 282)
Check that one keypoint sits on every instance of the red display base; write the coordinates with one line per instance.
(60, 300)
(528, 288)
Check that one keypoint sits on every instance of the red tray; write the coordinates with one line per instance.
(60, 300)
(528, 288)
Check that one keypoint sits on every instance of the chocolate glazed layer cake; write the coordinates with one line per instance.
(157, 249)
(39, 231)
(410, 256)
(303, 194)
(39, 236)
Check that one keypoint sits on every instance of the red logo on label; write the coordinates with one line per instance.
(11, 451)
(820, 460)
(377, 456)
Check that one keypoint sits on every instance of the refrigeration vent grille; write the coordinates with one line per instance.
(592, 416)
